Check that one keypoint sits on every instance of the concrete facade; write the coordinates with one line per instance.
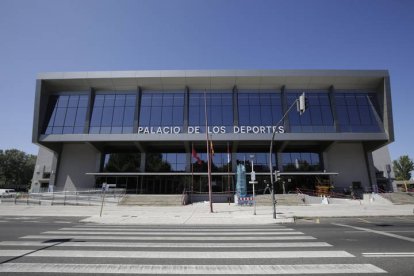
(73, 177)
(348, 160)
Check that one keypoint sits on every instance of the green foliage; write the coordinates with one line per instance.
(16, 169)
(123, 162)
(403, 167)
(154, 163)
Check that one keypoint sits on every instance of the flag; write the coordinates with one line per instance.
(196, 157)
(211, 148)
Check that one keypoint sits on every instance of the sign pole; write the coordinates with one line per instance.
(253, 182)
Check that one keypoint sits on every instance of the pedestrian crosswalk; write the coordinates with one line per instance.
(165, 250)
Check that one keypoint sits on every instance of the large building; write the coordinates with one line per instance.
(145, 131)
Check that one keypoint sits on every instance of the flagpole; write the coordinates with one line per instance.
(228, 171)
(192, 173)
(208, 155)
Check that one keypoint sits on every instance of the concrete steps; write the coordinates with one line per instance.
(176, 200)
(282, 199)
(152, 200)
(399, 198)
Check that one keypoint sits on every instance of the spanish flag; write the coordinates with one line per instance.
(211, 148)
(195, 156)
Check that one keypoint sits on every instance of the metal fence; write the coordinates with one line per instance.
(83, 198)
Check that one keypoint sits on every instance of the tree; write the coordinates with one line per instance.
(403, 167)
(155, 163)
(16, 168)
(123, 162)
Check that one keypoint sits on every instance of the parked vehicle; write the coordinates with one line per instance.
(7, 193)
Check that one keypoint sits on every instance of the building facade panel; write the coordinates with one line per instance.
(75, 161)
(348, 160)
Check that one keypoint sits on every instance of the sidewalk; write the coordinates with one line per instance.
(200, 213)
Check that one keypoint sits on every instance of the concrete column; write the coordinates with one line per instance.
(142, 165)
(333, 107)
(371, 172)
(235, 107)
(283, 98)
(40, 111)
(91, 100)
(53, 171)
(137, 109)
(186, 109)
(279, 161)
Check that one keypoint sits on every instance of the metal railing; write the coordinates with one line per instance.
(332, 194)
(83, 198)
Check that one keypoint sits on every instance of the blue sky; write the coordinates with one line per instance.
(82, 35)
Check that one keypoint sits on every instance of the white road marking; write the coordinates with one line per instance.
(176, 230)
(25, 218)
(364, 220)
(12, 253)
(377, 232)
(190, 269)
(167, 245)
(389, 254)
(400, 231)
(170, 233)
(178, 254)
(396, 231)
(146, 238)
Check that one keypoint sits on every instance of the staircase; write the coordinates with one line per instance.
(281, 199)
(152, 200)
(399, 198)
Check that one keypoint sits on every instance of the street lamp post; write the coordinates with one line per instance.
(301, 107)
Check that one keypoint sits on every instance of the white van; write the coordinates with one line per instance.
(7, 193)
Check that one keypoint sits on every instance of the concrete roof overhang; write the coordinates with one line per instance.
(214, 79)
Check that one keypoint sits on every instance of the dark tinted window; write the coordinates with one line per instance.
(165, 162)
(219, 109)
(260, 161)
(262, 108)
(317, 117)
(113, 113)
(162, 109)
(301, 161)
(66, 114)
(357, 112)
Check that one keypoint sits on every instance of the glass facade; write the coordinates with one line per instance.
(219, 110)
(259, 108)
(116, 112)
(66, 114)
(357, 112)
(165, 162)
(121, 162)
(219, 163)
(260, 161)
(318, 116)
(301, 161)
(159, 109)
(113, 113)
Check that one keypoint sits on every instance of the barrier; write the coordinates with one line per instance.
(245, 200)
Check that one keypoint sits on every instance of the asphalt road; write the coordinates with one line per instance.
(65, 246)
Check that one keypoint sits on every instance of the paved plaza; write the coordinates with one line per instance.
(199, 213)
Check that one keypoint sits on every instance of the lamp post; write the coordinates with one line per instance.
(301, 104)
(253, 182)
